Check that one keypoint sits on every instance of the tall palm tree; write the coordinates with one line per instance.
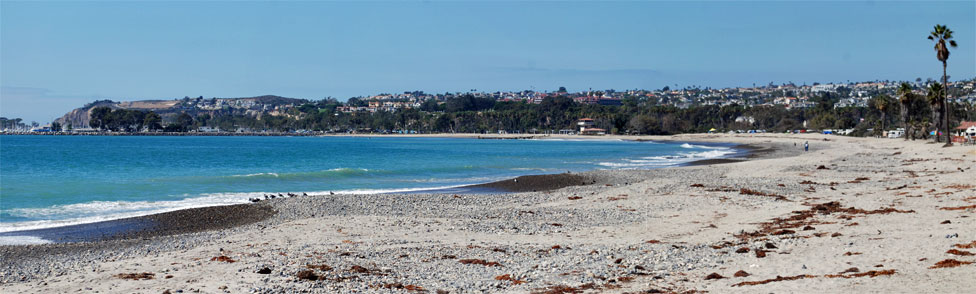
(882, 103)
(936, 100)
(942, 35)
(905, 97)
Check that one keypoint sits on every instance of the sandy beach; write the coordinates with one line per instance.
(850, 215)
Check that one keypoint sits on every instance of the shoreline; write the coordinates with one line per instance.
(155, 224)
(887, 207)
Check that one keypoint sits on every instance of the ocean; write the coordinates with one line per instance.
(51, 181)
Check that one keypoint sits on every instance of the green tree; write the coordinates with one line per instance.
(882, 103)
(152, 121)
(184, 121)
(942, 36)
(97, 117)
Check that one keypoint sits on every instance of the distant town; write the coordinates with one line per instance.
(637, 111)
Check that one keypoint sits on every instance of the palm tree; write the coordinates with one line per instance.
(935, 99)
(882, 103)
(941, 35)
(905, 97)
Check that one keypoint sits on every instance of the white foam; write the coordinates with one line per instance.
(257, 175)
(669, 160)
(22, 240)
(693, 146)
(96, 211)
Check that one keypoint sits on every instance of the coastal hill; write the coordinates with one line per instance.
(167, 109)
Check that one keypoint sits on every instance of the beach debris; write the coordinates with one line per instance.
(803, 218)
(777, 279)
(574, 197)
(760, 253)
(136, 276)
(264, 271)
(564, 289)
(742, 250)
(864, 274)
(966, 246)
(960, 186)
(959, 207)
(851, 253)
(851, 270)
(770, 246)
(783, 232)
(479, 261)
(697, 186)
(945, 222)
(401, 286)
(359, 269)
(320, 267)
(949, 263)
(307, 275)
(223, 258)
(745, 191)
(822, 167)
(508, 277)
(652, 241)
(960, 252)
(714, 276)
(740, 274)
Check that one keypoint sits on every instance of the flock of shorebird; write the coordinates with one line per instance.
(280, 195)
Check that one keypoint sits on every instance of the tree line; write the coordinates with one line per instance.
(469, 114)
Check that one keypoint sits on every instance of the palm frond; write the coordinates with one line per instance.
(952, 43)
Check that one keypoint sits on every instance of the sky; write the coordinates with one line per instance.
(58, 55)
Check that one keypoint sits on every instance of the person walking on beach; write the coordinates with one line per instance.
(806, 146)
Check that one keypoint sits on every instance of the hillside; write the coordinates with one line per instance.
(168, 109)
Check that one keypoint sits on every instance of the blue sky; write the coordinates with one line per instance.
(56, 56)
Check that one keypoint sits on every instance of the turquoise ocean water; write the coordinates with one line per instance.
(49, 181)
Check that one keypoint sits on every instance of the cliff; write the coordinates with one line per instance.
(254, 106)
